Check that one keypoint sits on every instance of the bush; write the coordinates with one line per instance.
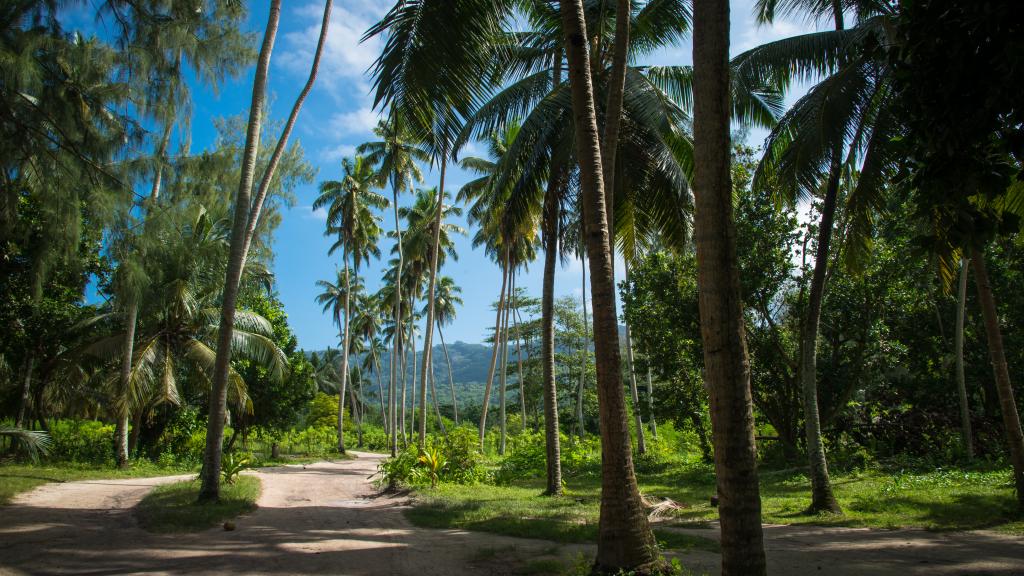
(82, 441)
(464, 461)
(401, 470)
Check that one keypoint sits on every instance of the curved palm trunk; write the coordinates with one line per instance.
(547, 319)
(961, 380)
(625, 540)
(726, 362)
(210, 490)
(451, 379)
(429, 332)
(503, 376)
(822, 498)
(405, 389)
(1007, 403)
(494, 351)
(581, 429)
(392, 404)
(345, 349)
(412, 370)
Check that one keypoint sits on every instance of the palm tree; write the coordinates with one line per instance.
(248, 209)
(625, 540)
(349, 203)
(845, 119)
(721, 310)
(395, 156)
(428, 243)
(446, 300)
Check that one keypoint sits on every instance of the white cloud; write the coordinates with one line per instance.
(308, 213)
(345, 59)
(360, 121)
(335, 153)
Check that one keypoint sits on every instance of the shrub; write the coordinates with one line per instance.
(82, 441)
(400, 470)
(464, 461)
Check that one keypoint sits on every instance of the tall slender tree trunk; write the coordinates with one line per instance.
(650, 403)
(345, 349)
(519, 361)
(392, 401)
(641, 442)
(1007, 403)
(494, 351)
(625, 540)
(380, 392)
(133, 438)
(433, 399)
(210, 490)
(357, 412)
(613, 112)
(26, 391)
(429, 332)
(412, 371)
(581, 429)
(822, 498)
(397, 343)
(122, 405)
(503, 376)
(553, 449)
(451, 379)
(727, 365)
(961, 380)
(405, 389)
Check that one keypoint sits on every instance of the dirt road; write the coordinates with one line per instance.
(326, 518)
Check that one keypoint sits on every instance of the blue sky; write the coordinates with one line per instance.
(338, 116)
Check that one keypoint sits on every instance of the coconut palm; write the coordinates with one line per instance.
(395, 156)
(447, 299)
(721, 310)
(844, 123)
(349, 203)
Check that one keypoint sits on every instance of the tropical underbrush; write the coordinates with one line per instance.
(173, 507)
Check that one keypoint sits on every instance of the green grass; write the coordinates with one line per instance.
(944, 499)
(18, 478)
(173, 507)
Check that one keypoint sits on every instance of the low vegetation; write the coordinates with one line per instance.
(18, 478)
(173, 507)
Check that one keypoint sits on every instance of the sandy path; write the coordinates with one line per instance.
(327, 519)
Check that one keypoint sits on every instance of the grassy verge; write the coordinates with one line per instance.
(173, 507)
(18, 478)
(951, 499)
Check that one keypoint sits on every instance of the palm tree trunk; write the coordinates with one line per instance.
(961, 380)
(405, 389)
(210, 490)
(412, 371)
(429, 332)
(822, 498)
(380, 391)
(392, 400)
(433, 398)
(123, 410)
(26, 391)
(503, 376)
(625, 541)
(519, 361)
(398, 348)
(345, 349)
(650, 403)
(613, 110)
(133, 438)
(451, 379)
(547, 319)
(356, 413)
(583, 354)
(494, 351)
(726, 362)
(641, 443)
(1007, 403)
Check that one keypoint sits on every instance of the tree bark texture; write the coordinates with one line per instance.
(727, 365)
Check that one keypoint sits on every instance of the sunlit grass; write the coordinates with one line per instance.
(173, 507)
(943, 499)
